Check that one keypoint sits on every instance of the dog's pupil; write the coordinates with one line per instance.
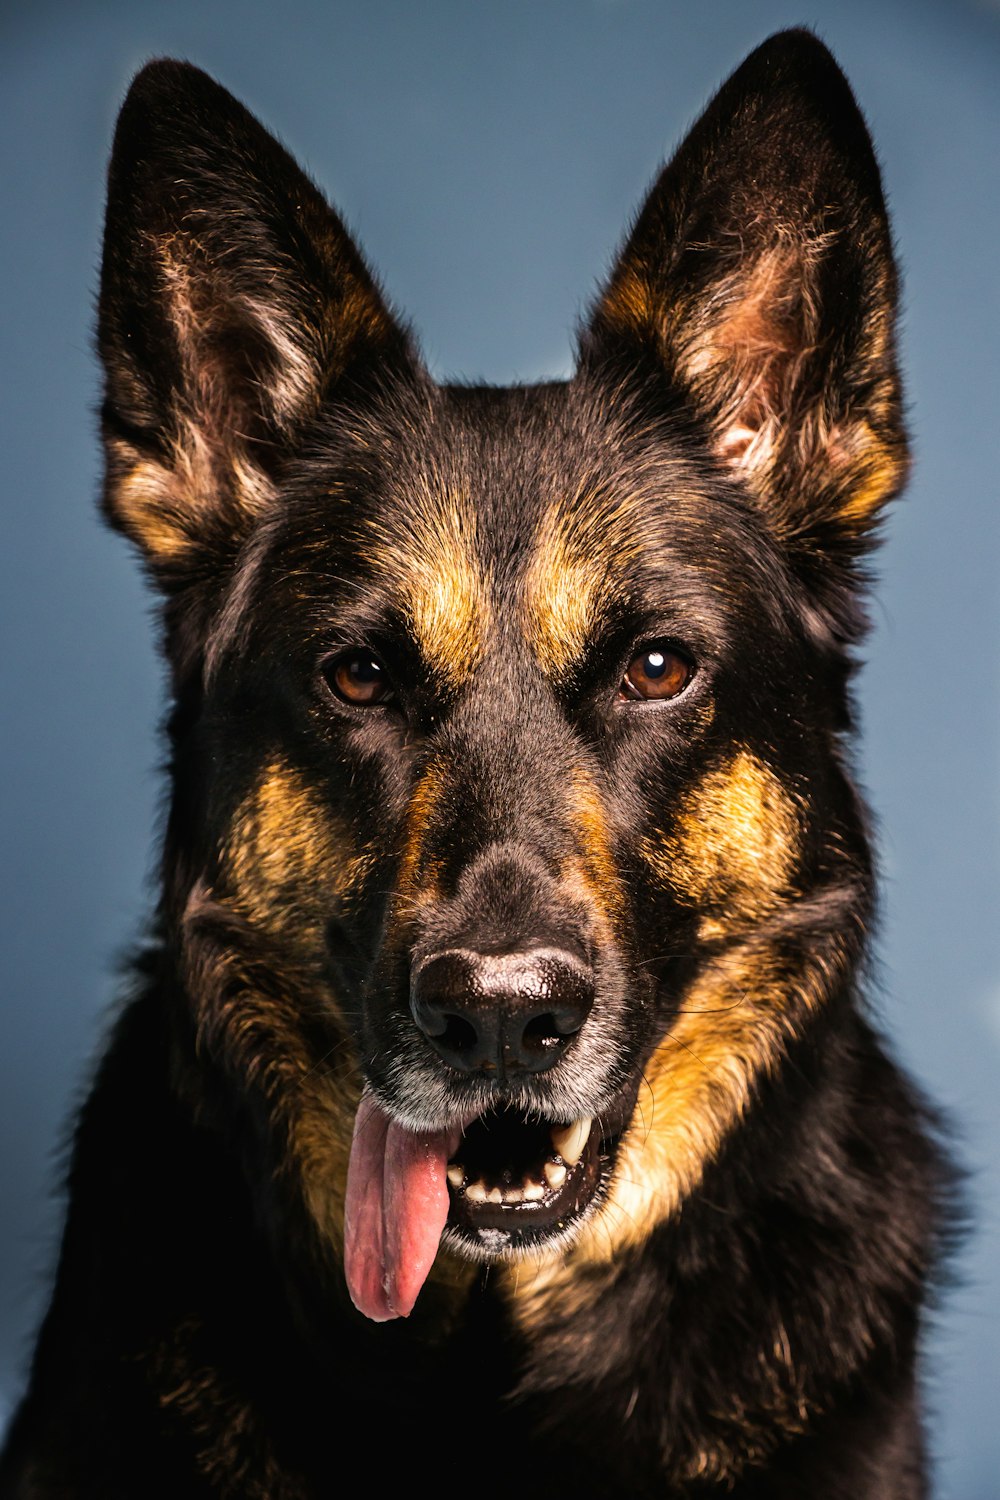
(364, 669)
(659, 674)
(359, 677)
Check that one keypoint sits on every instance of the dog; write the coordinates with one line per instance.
(496, 1098)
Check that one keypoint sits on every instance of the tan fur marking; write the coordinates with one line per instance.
(874, 473)
(747, 351)
(749, 346)
(443, 588)
(630, 303)
(749, 357)
(254, 1030)
(201, 309)
(734, 842)
(148, 500)
(418, 877)
(733, 850)
(735, 1022)
(595, 873)
(733, 1027)
(163, 506)
(358, 316)
(584, 543)
(288, 857)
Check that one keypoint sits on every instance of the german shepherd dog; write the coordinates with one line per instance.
(496, 1103)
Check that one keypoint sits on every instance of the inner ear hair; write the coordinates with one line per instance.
(244, 373)
(233, 306)
(747, 350)
(758, 284)
(804, 410)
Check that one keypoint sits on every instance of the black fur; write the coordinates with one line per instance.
(737, 1306)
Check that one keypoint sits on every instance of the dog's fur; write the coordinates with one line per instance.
(518, 886)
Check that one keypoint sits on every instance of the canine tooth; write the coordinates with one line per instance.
(533, 1192)
(555, 1173)
(456, 1174)
(569, 1140)
(494, 1195)
(476, 1192)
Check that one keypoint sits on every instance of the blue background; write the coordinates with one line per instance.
(488, 154)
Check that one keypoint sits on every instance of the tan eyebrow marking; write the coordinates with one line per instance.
(443, 586)
(582, 547)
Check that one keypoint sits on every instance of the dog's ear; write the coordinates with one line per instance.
(233, 304)
(758, 284)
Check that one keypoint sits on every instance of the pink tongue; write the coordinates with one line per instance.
(396, 1206)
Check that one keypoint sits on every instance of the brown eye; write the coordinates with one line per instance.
(357, 677)
(657, 673)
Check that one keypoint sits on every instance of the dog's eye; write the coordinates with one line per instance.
(357, 676)
(659, 672)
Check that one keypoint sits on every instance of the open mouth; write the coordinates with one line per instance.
(514, 1181)
(507, 1184)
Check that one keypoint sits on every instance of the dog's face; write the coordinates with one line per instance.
(509, 786)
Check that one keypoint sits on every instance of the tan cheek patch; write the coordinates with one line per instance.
(287, 858)
(249, 1010)
(251, 1022)
(734, 1025)
(734, 845)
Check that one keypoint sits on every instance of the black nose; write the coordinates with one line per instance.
(501, 1012)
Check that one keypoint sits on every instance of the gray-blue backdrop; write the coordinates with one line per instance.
(488, 153)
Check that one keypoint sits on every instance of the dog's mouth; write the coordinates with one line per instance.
(505, 1185)
(515, 1183)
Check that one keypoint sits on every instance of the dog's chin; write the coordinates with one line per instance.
(521, 1187)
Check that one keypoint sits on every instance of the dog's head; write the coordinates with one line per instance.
(509, 789)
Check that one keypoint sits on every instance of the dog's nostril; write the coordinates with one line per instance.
(543, 1033)
(458, 1035)
(500, 1013)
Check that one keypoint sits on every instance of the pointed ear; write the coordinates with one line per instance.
(758, 283)
(233, 304)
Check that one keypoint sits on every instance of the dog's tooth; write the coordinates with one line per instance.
(456, 1174)
(476, 1192)
(569, 1140)
(533, 1192)
(494, 1195)
(555, 1173)
(513, 1194)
